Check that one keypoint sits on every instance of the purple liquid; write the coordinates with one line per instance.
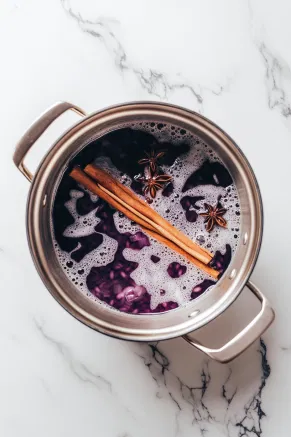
(113, 283)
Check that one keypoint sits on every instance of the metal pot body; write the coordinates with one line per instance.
(154, 327)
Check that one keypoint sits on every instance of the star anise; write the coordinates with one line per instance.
(152, 159)
(213, 216)
(153, 182)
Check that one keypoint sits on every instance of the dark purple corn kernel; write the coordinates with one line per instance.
(123, 274)
(168, 190)
(117, 266)
(201, 288)
(182, 270)
(155, 259)
(221, 261)
(197, 289)
(185, 202)
(188, 201)
(165, 306)
(191, 216)
(134, 293)
(175, 270)
(138, 241)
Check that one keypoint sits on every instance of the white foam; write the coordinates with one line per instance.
(84, 225)
(155, 278)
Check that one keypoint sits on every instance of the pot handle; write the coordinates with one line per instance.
(36, 130)
(246, 337)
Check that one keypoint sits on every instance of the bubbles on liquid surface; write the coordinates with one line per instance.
(154, 260)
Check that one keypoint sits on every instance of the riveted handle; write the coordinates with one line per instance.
(36, 130)
(244, 338)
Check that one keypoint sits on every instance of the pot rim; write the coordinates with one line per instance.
(198, 311)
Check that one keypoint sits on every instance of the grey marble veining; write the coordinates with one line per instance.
(275, 71)
(156, 83)
(79, 369)
(231, 62)
(197, 398)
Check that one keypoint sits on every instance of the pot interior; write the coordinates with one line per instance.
(61, 252)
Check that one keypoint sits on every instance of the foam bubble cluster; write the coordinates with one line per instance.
(84, 226)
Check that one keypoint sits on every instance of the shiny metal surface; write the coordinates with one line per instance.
(147, 327)
(36, 130)
(244, 338)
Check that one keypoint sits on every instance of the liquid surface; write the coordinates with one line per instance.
(107, 257)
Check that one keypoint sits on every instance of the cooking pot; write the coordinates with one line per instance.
(154, 327)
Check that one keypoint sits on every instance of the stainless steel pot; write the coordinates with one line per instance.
(179, 322)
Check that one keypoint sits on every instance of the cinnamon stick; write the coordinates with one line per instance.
(81, 177)
(90, 169)
(78, 175)
(209, 270)
(148, 214)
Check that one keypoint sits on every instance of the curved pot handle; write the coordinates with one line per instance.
(36, 130)
(244, 338)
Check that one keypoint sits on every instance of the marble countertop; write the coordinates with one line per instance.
(230, 61)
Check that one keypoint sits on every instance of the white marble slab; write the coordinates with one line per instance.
(229, 60)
